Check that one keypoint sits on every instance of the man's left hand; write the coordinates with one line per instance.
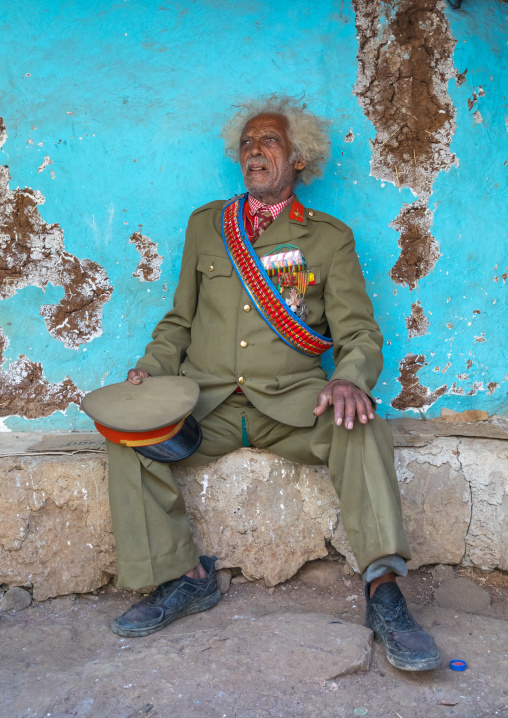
(347, 400)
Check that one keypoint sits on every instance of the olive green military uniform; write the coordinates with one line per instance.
(215, 336)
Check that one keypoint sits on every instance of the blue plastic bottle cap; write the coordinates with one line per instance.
(458, 665)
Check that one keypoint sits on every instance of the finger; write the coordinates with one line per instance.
(361, 409)
(134, 376)
(350, 411)
(323, 401)
(338, 409)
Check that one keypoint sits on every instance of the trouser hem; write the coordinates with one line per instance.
(154, 571)
(384, 565)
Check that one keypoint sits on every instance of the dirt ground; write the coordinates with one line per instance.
(59, 658)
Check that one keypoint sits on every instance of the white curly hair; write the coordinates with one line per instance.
(308, 132)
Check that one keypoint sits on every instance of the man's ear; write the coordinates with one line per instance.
(299, 165)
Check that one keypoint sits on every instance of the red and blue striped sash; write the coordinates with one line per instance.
(276, 313)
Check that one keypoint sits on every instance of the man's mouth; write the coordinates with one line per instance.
(256, 166)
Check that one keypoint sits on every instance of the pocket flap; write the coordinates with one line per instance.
(212, 266)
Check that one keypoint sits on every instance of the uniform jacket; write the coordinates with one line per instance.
(200, 337)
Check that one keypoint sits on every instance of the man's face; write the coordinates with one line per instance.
(265, 151)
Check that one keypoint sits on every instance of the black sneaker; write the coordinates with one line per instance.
(407, 645)
(169, 601)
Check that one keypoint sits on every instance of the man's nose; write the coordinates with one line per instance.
(256, 148)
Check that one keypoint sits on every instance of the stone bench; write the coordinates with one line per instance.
(255, 511)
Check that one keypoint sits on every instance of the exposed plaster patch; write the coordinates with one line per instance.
(350, 137)
(419, 250)
(413, 395)
(33, 254)
(472, 101)
(405, 61)
(3, 132)
(492, 386)
(480, 339)
(149, 266)
(477, 386)
(417, 323)
(460, 78)
(26, 392)
(47, 161)
(404, 65)
(478, 117)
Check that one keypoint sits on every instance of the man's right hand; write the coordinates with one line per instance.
(136, 376)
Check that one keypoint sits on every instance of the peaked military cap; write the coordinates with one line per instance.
(152, 417)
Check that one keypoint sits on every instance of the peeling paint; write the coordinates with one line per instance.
(419, 249)
(26, 391)
(47, 161)
(149, 266)
(417, 323)
(405, 62)
(33, 254)
(414, 395)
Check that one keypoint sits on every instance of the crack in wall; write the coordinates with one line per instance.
(148, 269)
(26, 392)
(470, 520)
(33, 254)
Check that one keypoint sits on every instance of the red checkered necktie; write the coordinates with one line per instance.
(265, 218)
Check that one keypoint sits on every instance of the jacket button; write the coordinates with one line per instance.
(247, 308)
(244, 344)
(311, 213)
(184, 372)
(211, 268)
(241, 380)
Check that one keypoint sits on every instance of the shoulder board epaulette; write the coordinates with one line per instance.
(297, 211)
(216, 204)
(316, 216)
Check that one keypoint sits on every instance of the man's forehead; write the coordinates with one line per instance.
(266, 121)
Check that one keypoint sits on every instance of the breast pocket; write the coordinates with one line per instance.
(212, 267)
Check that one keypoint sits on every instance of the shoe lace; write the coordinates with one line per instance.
(400, 619)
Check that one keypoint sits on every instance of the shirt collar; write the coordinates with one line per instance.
(275, 209)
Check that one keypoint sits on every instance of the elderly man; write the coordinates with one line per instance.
(265, 287)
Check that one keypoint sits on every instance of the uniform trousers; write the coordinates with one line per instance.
(153, 539)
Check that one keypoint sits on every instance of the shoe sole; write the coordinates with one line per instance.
(425, 665)
(209, 602)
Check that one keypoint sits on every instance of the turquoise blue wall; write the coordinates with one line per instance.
(154, 83)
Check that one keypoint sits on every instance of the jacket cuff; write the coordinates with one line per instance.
(357, 381)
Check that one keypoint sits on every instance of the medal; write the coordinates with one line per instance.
(287, 265)
(297, 304)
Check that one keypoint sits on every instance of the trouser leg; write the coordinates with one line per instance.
(152, 534)
(363, 474)
(153, 538)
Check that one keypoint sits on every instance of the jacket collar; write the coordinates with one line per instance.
(288, 227)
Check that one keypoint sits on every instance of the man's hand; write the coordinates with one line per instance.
(347, 400)
(136, 376)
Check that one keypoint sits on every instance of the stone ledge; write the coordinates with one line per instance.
(252, 509)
